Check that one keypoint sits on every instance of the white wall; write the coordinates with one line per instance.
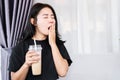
(95, 67)
(92, 31)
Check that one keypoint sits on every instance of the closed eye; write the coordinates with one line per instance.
(52, 16)
(45, 17)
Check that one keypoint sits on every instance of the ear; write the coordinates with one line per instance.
(32, 21)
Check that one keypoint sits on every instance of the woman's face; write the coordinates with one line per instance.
(45, 19)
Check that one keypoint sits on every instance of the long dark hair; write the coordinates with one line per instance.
(30, 29)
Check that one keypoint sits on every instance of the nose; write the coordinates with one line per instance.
(51, 20)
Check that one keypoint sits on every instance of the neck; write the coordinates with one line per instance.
(39, 37)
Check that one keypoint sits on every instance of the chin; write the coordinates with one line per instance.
(46, 34)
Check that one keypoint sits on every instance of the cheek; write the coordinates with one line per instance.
(43, 29)
(54, 21)
(42, 23)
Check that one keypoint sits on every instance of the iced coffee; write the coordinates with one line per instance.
(36, 67)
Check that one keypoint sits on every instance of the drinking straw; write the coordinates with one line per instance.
(35, 44)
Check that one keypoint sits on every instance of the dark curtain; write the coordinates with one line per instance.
(13, 20)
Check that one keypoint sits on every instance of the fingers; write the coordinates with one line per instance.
(52, 31)
(32, 57)
(32, 53)
(52, 27)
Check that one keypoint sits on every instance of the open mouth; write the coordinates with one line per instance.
(48, 27)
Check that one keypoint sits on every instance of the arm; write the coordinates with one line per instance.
(31, 57)
(21, 73)
(60, 63)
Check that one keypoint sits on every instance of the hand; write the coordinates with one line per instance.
(31, 57)
(52, 35)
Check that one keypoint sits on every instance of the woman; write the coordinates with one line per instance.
(42, 27)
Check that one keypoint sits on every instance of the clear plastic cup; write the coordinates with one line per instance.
(36, 67)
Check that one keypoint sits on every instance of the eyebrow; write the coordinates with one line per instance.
(47, 15)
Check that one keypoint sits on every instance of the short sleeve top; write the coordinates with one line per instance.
(49, 72)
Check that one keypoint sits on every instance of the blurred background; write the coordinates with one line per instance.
(91, 29)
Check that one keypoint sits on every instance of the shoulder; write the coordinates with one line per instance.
(20, 47)
(60, 42)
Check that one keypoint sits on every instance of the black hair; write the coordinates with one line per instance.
(30, 28)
